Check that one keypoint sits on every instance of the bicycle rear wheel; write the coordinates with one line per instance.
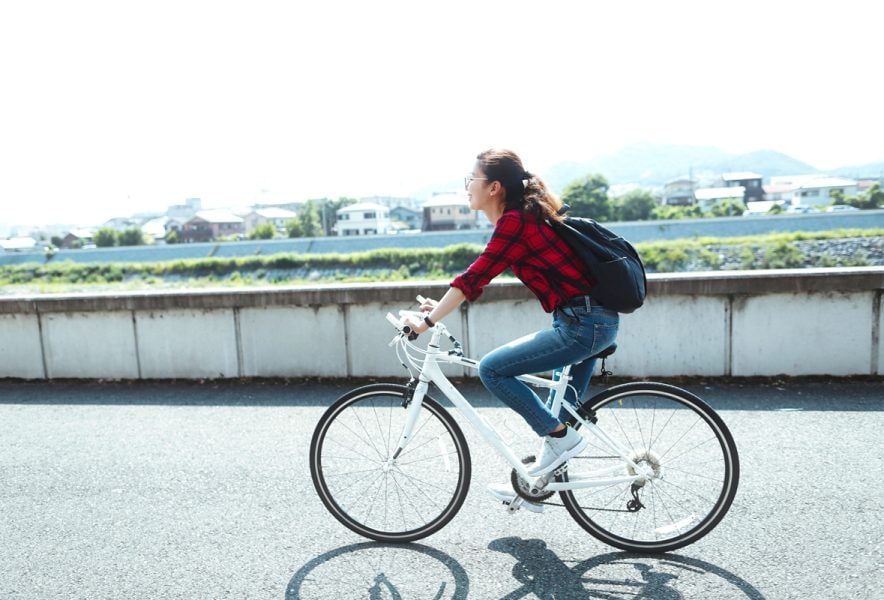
(399, 500)
(693, 458)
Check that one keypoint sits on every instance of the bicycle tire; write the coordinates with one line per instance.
(390, 487)
(690, 502)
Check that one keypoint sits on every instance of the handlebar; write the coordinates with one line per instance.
(405, 330)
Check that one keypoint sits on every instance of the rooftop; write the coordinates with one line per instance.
(740, 176)
(218, 216)
(719, 193)
(826, 182)
(362, 206)
(447, 200)
(275, 213)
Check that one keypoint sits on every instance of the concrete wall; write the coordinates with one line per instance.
(795, 322)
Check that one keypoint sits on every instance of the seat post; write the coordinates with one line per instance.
(561, 377)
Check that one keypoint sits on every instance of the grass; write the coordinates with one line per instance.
(778, 250)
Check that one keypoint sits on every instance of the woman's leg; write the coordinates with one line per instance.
(567, 342)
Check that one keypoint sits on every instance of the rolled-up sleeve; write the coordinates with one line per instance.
(503, 249)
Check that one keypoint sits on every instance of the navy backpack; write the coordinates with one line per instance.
(621, 282)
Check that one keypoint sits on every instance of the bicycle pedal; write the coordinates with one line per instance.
(561, 470)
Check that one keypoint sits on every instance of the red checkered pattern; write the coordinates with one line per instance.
(536, 255)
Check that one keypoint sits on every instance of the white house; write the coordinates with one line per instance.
(362, 218)
(19, 244)
(679, 192)
(447, 212)
(709, 197)
(819, 190)
(277, 217)
(157, 229)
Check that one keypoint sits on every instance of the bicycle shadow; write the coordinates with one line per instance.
(617, 575)
(374, 570)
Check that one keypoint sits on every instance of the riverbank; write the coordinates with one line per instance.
(842, 248)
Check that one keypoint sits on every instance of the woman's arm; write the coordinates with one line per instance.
(451, 300)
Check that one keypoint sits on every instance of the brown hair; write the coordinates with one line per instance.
(522, 190)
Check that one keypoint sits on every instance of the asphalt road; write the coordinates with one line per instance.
(186, 490)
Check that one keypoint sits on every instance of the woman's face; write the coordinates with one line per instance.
(479, 189)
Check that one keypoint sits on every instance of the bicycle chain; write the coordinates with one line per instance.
(632, 506)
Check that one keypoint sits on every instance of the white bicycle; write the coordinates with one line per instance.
(389, 462)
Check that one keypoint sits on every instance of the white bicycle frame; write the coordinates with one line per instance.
(431, 371)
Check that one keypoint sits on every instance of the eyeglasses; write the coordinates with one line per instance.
(469, 179)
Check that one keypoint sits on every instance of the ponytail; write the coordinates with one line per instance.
(524, 190)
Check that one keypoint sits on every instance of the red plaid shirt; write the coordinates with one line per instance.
(536, 255)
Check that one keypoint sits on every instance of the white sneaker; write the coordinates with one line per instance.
(505, 493)
(555, 451)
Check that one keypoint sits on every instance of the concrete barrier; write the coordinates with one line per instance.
(792, 322)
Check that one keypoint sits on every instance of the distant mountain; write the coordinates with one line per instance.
(655, 164)
(871, 170)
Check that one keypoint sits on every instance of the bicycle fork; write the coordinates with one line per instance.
(412, 402)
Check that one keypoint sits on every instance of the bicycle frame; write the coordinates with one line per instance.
(431, 371)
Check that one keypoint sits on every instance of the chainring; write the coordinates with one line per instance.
(523, 488)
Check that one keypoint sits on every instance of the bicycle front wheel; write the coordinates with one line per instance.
(388, 500)
(687, 448)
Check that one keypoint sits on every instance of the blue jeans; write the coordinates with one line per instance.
(577, 333)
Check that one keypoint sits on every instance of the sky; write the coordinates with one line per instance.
(110, 108)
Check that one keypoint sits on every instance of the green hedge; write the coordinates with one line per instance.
(766, 251)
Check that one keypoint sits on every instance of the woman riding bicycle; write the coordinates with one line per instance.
(520, 207)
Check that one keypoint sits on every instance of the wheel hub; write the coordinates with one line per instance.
(649, 463)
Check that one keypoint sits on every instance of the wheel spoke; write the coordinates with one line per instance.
(407, 501)
(693, 448)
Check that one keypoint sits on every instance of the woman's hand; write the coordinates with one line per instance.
(418, 326)
(428, 305)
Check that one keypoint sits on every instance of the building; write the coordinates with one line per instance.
(121, 223)
(448, 212)
(208, 225)
(392, 201)
(78, 238)
(408, 217)
(362, 218)
(750, 182)
(679, 192)
(278, 217)
(183, 212)
(778, 193)
(18, 244)
(708, 197)
(819, 190)
(156, 229)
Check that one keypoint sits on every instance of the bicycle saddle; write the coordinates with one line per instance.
(606, 352)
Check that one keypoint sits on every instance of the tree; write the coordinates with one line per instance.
(871, 198)
(330, 210)
(637, 205)
(106, 237)
(293, 228)
(874, 196)
(588, 197)
(729, 208)
(311, 225)
(172, 237)
(57, 241)
(131, 237)
(264, 231)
